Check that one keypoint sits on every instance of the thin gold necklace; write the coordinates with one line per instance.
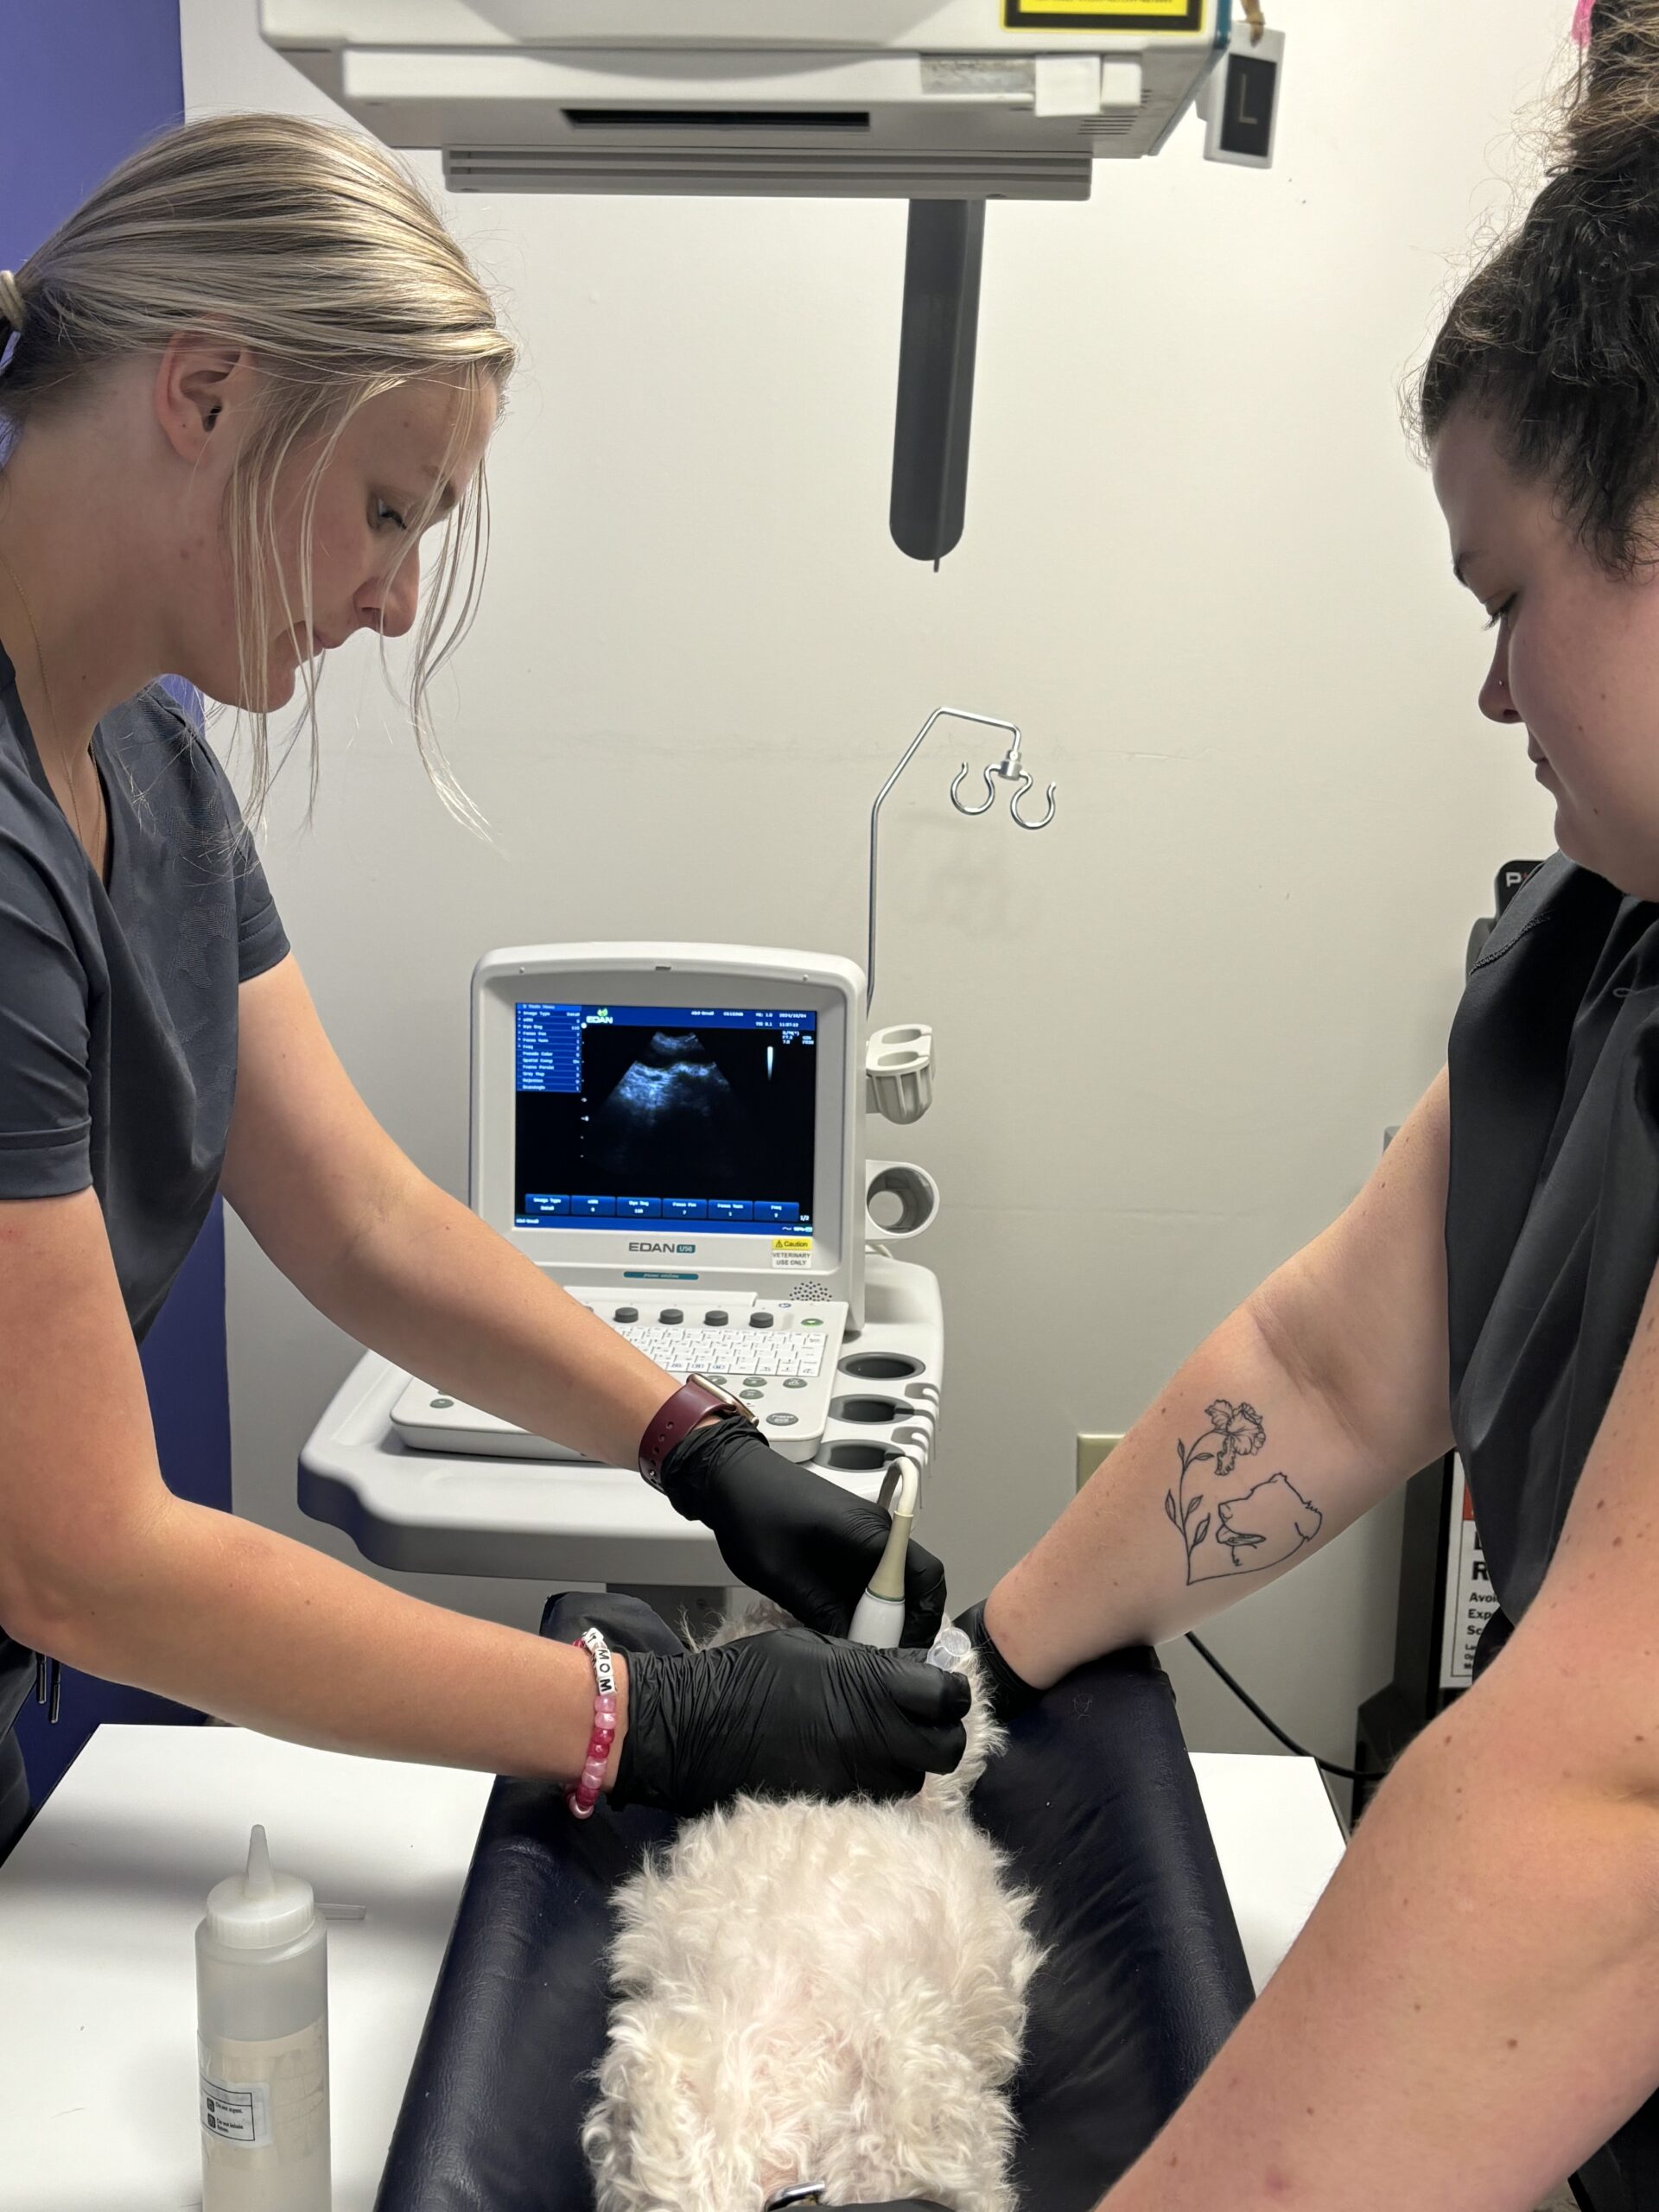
(100, 819)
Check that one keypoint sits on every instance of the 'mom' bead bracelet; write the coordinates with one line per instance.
(583, 1794)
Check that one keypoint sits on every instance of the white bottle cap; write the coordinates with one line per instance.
(258, 1910)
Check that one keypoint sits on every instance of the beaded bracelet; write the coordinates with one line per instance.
(583, 1793)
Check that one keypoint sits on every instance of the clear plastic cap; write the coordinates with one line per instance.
(951, 1647)
(257, 1910)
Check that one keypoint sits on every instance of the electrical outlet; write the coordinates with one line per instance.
(1091, 1449)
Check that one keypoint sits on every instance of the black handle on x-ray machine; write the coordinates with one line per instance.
(936, 376)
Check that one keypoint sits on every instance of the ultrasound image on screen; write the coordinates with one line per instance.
(673, 1118)
(708, 1124)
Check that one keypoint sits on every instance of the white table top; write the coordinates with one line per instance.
(98, 1906)
(1278, 1841)
(100, 1901)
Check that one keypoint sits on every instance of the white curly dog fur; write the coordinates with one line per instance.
(810, 1992)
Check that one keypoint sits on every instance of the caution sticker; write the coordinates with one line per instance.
(1471, 1601)
(792, 1251)
(1105, 14)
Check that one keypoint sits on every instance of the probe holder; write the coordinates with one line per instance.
(898, 1071)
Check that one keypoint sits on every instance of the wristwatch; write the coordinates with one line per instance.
(693, 1401)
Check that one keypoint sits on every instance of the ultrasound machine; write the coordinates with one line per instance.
(674, 1134)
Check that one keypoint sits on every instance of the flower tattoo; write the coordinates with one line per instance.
(1259, 1529)
(1240, 1432)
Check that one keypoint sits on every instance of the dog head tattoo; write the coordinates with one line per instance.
(1259, 1529)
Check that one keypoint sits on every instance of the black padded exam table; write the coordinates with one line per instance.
(1094, 1799)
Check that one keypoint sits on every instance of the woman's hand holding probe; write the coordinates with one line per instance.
(793, 1535)
(785, 1713)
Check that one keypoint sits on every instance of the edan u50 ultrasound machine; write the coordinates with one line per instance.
(676, 1134)
(671, 1132)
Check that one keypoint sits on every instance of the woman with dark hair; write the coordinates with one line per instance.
(1470, 2011)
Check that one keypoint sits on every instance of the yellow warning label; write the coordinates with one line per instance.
(1105, 15)
(791, 1243)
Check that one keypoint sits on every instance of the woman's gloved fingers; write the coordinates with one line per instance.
(937, 1697)
(923, 1596)
(918, 1711)
(946, 1748)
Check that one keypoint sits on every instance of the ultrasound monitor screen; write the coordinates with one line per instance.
(698, 1116)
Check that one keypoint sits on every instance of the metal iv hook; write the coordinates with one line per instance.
(1009, 769)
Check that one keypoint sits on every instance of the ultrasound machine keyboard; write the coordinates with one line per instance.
(779, 1357)
(730, 1354)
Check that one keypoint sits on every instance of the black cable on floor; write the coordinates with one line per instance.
(1326, 1766)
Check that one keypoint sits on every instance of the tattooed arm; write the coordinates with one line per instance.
(1322, 1392)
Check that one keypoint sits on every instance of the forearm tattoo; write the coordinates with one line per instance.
(1261, 1527)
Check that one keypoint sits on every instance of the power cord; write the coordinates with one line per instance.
(1326, 1766)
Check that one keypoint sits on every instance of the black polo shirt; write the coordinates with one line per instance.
(1552, 1237)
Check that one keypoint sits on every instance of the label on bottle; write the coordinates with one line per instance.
(236, 2112)
(272, 2094)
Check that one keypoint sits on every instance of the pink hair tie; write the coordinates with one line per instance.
(1581, 16)
(583, 1793)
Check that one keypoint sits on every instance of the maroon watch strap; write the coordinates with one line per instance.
(690, 1403)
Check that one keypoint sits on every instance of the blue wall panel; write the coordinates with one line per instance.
(84, 82)
(189, 1401)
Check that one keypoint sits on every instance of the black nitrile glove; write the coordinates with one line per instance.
(791, 1535)
(1009, 1693)
(786, 1713)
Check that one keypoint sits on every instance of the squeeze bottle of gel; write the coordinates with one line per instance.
(261, 2035)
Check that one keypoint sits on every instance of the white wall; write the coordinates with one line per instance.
(1200, 568)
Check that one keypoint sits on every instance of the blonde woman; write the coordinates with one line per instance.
(238, 386)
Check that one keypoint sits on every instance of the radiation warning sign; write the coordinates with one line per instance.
(1105, 14)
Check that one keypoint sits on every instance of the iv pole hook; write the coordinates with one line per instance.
(1008, 768)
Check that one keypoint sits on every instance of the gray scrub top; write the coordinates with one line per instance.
(119, 1004)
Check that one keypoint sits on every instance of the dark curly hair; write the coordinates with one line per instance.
(1555, 338)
